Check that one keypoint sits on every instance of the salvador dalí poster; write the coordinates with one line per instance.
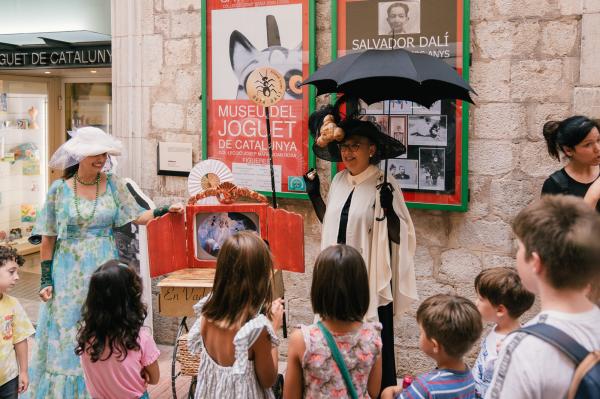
(433, 171)
(241, 36)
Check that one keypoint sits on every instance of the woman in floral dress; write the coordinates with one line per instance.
(76, 224)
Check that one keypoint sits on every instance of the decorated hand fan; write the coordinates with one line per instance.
(208, 174)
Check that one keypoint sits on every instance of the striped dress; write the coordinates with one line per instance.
(239, 380)
(442, 384)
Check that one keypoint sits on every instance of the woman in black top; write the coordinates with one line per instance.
(577, 138)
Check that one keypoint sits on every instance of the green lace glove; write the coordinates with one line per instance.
(46, 277)
(158, 212)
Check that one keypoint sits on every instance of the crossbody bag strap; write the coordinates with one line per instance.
(339, 360)
(559, 339)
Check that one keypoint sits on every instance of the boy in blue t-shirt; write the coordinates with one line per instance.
(501, 299)
(449, 326)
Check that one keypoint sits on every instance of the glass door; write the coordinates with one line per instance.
(23, 156)
(88, 104)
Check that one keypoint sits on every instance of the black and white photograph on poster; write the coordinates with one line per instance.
(373, 109)
(401, 107)
(432, 169)
(399, 17)
(427, 130)
(240, 44)
(405, 171)
(399, 129)
(435, 109)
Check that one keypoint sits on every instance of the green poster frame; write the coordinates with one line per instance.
(464, 176)
(312, 62)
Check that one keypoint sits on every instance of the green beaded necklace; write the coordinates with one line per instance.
(97, 183)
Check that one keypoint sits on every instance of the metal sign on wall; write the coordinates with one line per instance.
(45, 57)
(433, 171)
(239, 37)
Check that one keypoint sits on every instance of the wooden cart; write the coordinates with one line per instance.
(172, 248)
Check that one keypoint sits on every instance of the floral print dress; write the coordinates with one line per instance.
(360, 349)
(55, 370)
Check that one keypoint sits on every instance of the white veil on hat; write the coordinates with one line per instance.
(84, 142)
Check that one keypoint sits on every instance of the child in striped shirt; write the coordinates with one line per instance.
(449, 326)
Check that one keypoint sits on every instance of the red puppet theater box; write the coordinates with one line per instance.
(186, 246)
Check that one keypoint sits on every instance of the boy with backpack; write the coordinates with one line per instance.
(558, 258)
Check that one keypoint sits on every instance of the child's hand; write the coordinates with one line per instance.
(145, 376)
(276, 315)
(46, 293)
(23, 381)
(391, 392)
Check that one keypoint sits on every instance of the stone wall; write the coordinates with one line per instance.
(533, 60)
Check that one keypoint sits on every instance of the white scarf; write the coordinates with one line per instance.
(365, 205)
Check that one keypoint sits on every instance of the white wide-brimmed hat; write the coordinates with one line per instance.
(84, 142)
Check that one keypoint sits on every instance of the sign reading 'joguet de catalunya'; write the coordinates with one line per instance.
(68, 57)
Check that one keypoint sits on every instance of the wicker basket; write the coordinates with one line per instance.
(189, 363)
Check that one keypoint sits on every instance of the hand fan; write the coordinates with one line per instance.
(208, 174)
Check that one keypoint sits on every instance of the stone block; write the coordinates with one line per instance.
(559, 38)
(506, 39)
(483, 10)
(491, 234)
(178, 51)
(530, 76)
(499, 121)
(479, 187)
(571, 7)
(411, 361)
(591, 6)
(493, 39)
(149, 179)
(408, 332)
(490, 157)
(423, 262)
(431, 230)
(539, 114)
(188, 84)
(177, 5)
(152, 53)
(193, 118)
(459, 266)
(167, 116)
(162, 24)
(509, 196)
(427, 287)
(186, 24)
(494, 260)
(491, 80)
(590, 56)
(534, 160)
(586, 101)
(527, 8)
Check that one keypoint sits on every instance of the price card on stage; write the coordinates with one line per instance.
(240, 37)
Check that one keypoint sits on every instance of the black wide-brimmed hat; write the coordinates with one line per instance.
(387, 146)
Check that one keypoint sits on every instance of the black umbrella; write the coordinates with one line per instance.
(378, 75)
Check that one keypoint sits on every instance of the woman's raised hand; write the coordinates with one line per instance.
(276, 315)
(177, 208)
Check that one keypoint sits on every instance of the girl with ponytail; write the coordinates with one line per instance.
(577, 138)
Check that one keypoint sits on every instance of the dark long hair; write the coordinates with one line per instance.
(112, 314)
(567, 133)
(70, 171)
(242, 281)
(340, 284)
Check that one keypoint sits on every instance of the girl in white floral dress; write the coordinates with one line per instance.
(76, 228)
(238, 344)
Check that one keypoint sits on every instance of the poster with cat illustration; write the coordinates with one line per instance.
(241, 36)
